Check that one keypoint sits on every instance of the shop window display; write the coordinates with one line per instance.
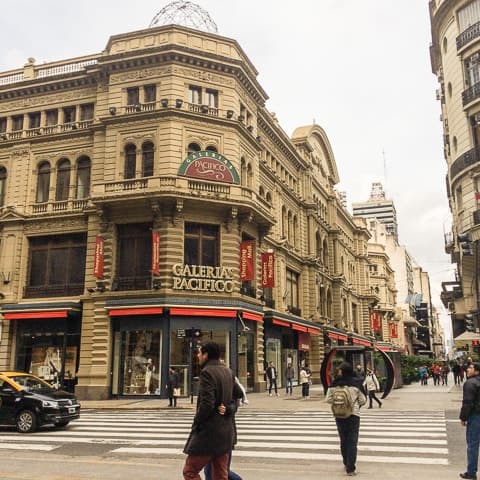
(141, 359)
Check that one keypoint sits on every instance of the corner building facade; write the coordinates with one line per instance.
(455, 57)
(150, 201)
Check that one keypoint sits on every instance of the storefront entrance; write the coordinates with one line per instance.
(49, 349)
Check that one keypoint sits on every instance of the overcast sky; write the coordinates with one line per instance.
(359, 69)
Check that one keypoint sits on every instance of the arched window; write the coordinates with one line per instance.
(243, 172)
(212, 148)
(261, 191)
(249, 175)
(295, 230)
(83, 178)
(290, 227)
(3, 185)
(325, 252)
(147, 159)
(130, 161)
(318, 246)
(284, 223)
(268, 197)
(43, 182)
(193, 147)
(63, 180)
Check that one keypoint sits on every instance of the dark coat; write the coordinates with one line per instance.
(172, 382)
(212, 434)
(471, 398)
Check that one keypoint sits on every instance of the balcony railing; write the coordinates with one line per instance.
(53, 290)
(132, 283)
(464, 161)
(294, 310)
(45, 130)
(60, 206)
(209, 188)
(476, 217)
(468, 35)
(249, 291)
(471, 94)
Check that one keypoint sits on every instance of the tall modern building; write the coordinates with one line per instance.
(379, 207)
(455, 58)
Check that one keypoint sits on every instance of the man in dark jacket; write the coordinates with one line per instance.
(211, 438)
(470, 417)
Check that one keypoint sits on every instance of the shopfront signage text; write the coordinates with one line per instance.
(268, 270)
(211, 166)
(98, 258)
(155, 253)
(202, 278)
(246, 260)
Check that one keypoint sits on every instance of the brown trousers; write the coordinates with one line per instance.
(194, 464)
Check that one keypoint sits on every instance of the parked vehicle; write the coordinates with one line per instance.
(27, 402)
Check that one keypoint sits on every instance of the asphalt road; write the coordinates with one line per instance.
(416, 433)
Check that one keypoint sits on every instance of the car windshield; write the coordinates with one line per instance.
(31, 384)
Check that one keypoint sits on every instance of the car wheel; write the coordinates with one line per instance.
(61, 424)
(26, 421)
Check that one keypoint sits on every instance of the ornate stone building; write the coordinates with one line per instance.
(149, 201)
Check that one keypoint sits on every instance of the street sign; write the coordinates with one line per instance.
(181, 333)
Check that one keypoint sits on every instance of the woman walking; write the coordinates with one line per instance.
(371, 385)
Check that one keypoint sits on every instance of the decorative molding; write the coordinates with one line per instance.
(53, 226)
(50, 100)
(203, 75)
(140, 74)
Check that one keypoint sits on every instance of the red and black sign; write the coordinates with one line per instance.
(98, 258)
(155, 253)
(268, 270)
(246, 260)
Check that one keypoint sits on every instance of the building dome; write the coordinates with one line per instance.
(184, 13)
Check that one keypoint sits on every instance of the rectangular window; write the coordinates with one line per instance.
(201, 244)
(68, 114)
(34, 120)
(150, 93)
(3, 125)
(472, 70)
(195, 94)
(134, 257)
(459, 198)
(133, 97)
(56, 265)
(51, 118)
(211, 98)
(17, 123)
(292, 291)
(86, 111)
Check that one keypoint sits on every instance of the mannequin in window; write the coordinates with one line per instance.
(149, 369)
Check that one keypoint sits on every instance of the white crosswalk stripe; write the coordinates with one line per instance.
(388, 437)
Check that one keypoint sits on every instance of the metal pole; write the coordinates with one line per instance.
(190, 354)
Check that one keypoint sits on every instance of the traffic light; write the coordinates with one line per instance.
(469, 327)
(193, 333)
(465, 242)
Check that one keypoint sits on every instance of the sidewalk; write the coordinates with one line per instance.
(408, 398)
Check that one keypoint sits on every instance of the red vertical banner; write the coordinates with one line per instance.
(393, 330)
(246, 260)
(375, 322)
(155, 253)
(268, 270)
(98, 258)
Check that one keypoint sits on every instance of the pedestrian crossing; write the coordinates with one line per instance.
(385, 437)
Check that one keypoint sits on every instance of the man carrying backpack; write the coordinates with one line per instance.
(346, 396)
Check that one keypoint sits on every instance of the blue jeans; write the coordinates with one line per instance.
(348, 429)
(289, 386)
(231, 475)
(473, 442)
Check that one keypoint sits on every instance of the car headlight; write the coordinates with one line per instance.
(49, 403)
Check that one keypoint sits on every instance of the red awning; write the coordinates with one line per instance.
(314, 331)
(33, 315)
(123, 312)
(281, 323)
(299, 328)
(252, 316)
(203, 312)
(362, 342)
(337, 336)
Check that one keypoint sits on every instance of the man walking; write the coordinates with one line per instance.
(346, 396)
(272, 378)
(289, 376)
(470, 417)
(211, 438)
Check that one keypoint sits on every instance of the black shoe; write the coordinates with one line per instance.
(369, 407)
(380, 405)
(468, 476)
